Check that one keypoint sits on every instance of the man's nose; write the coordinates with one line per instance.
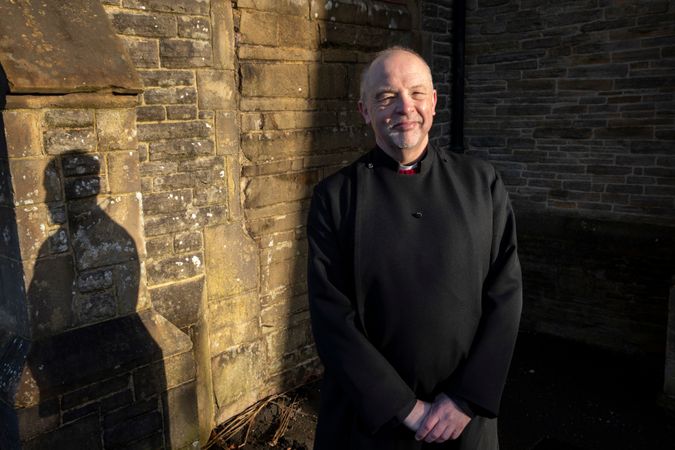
(405, 104)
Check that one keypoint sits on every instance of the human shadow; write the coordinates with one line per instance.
(97, 368)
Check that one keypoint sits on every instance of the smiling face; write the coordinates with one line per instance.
(399, 102)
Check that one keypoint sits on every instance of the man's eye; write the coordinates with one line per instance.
(419, 95)
(385, 99)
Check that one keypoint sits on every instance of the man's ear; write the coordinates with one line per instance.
(363, 109)
(435, 99)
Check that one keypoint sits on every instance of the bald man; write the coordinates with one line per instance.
(414, 281)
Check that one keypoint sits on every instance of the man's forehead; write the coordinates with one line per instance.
(399, 64)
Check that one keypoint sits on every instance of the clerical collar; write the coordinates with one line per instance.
(383, 159)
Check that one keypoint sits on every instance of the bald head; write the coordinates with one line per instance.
(379, 58)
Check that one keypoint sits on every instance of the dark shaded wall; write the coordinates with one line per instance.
(573, 102)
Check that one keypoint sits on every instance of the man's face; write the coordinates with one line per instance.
(399, 104)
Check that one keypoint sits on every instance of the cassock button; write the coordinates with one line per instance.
(417, 214)
(370, 165)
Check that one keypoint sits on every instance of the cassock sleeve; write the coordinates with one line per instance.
(371, 384)
(481, 377)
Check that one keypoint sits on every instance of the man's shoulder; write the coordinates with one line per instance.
(468, 165)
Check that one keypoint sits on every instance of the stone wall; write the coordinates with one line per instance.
(574, 104)
(246, 105)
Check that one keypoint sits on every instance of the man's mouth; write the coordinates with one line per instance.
(405, 125)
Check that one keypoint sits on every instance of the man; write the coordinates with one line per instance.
(414, 281)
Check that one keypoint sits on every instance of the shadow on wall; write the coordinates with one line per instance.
(94, 375)
(88, 272)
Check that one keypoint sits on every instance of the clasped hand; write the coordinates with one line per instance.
(437, 421)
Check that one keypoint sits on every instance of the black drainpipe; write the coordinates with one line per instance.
(458, 35)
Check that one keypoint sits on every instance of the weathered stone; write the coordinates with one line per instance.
(223, 34)
(167, 78)
(167, 201)
(181, 149)
(144, 53)
(181, 112)
(188, 242)
(94, 280)
(85, 432)
(227, 133)
(275, 80)
(234, 321)
(79, 164)
(328, 81)
(199, 7)
(94, 307)
(94, 391)
(116, 129)
(22, 133)
(216, 89)
(180, 410)
(297, 7)
(296, 32)
(262, 191)
(184, 53)
(123, 172)
(175, 268)
(180, 303)
(237, 373)
(150, 113)
(83, 187)
(69, 118)
(35, 181)
(66, 140)
(170, 95)
(163, 375)
(231, 259)
(48, 60)
(159, 245)
(158, 131)
(194, 27)
(149, 25)
(182, 221)
(259, 28)
(106, 234)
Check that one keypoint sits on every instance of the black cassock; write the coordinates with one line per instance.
(414, 289)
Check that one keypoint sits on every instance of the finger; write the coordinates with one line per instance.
(437, 432)
(427, 425)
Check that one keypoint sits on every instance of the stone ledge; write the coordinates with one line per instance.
(102, 99)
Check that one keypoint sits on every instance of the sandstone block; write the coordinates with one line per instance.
(34, 234)
(234, 322)
(263, 191)
(34, 180)
(144, 53)
(178, 130)
(86, 432)
(149, 25)
(65, 140)
(237, 372)
(272, 53)
(292, 7)
(163, 375)
(170, 95)
(233, 187)
(150, 113)
(180, 303)
(94, 307)
(79, 164)
(194, 27)
(231, 261)
(94, 280)
(83, 187)
(185, 53)
(282, 344)
(157, 246)
(216, 89)
(227, 133)
(175, 268)
(167, 78)
(123, 172)
(296, 32)
(167, 201)
(116, 129)
(180, 409)
(340, 11)
(69, 118)
(180, 149)
(22, 133)
(328, 81)
(181, 112)
(223, 34)
(108, 234)
(188, 242)
(274, 80)
(198, 7)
